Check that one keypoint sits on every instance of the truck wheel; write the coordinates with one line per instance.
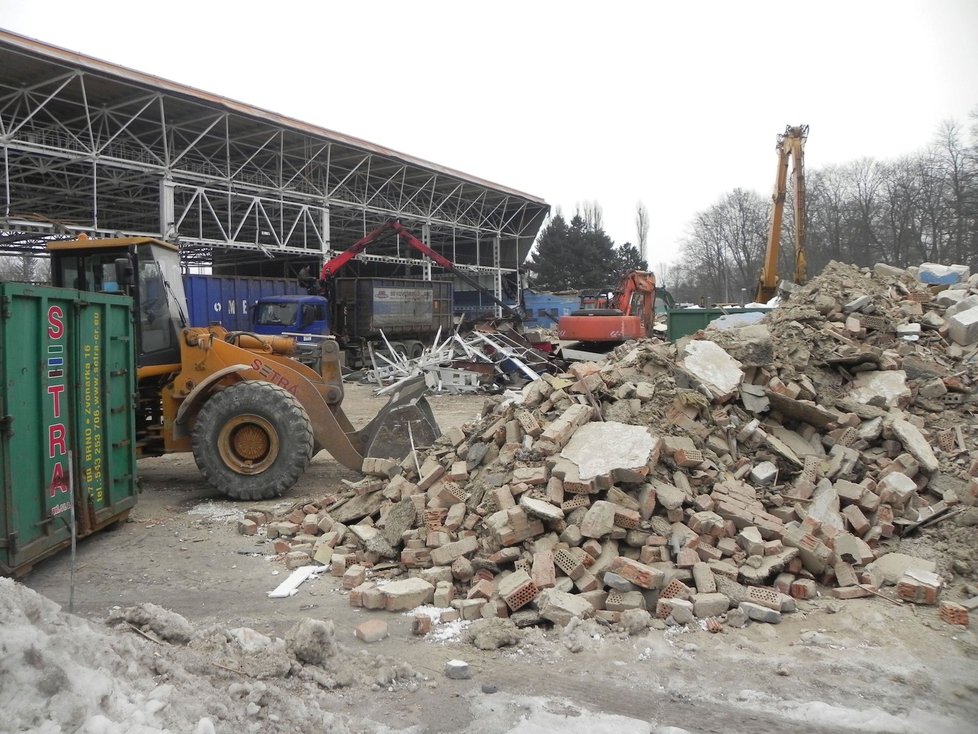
(415, 348)
(252, 441)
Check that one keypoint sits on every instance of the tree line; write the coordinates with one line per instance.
(918, 208)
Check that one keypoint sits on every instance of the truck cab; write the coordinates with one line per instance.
(291, 315)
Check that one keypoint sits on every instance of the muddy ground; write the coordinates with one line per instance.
(860, 665)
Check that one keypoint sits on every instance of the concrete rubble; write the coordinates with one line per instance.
(692, 481)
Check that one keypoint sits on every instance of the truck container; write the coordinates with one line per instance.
(229, 299)
(67, 377)
(399, 307)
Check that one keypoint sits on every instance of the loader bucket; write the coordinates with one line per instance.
(406, 417)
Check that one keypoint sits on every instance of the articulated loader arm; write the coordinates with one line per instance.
(388, 435)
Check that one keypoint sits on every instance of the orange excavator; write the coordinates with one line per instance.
(629, 314)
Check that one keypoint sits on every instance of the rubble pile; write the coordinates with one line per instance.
(718, 479)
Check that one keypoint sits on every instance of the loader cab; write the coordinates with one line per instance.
(144, 268)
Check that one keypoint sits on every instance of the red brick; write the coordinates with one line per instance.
(639, 574)
(373, 630)
(803, 589)
(953, 613)
(421, 625)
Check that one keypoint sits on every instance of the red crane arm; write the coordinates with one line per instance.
(393, 226)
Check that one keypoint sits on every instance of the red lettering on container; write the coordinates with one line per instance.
(56, 440)
(56, 327)
(55, 392)
(58, 482)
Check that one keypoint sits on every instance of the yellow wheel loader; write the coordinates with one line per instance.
(252, 416)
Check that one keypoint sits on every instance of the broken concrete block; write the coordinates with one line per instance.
(598, 449)
(963, 327)
(950, 296)
(890, 567)
(710, 604)
(758, 613)
(891, 271)
(884, 388)
(914, 442)
(896, 489)
(824, 507)
(599, 520)
(764, 473)
(712, 366)
(670, 497)
(447, 553)
(560, 607)
(457, 670)
(937, 274)
(680, 610)
(373, 630)
(400, 596)
(540, 508)
(962, 305)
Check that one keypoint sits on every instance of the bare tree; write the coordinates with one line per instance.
(642, 229)
(918, 208)
(591, 213)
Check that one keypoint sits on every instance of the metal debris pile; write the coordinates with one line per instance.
(486, 359)
(729, 477)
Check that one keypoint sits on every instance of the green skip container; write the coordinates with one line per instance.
(687, 321)
(67, 420)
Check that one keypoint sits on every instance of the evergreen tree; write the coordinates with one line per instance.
(627, 258)
(572, 256)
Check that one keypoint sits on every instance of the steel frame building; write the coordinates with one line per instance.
(89, 146)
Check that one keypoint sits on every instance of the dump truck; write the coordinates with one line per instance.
(409, 311)
(252, 416)
(360, 313)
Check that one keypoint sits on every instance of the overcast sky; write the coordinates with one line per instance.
(670, 103)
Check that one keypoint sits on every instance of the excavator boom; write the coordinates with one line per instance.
(790, 148)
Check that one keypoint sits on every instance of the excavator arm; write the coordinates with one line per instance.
(395, 227)
(790, 148)
(639, 282)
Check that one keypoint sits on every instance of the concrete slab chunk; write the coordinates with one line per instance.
(885, 387)
(560, 607)
(715, 368)
(914, 442)
(963, 327)
(407, 594)
(600, 448)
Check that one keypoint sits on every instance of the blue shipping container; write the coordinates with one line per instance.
(228, 300)
(543, 310)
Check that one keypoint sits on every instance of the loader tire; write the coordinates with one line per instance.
(252, 441)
